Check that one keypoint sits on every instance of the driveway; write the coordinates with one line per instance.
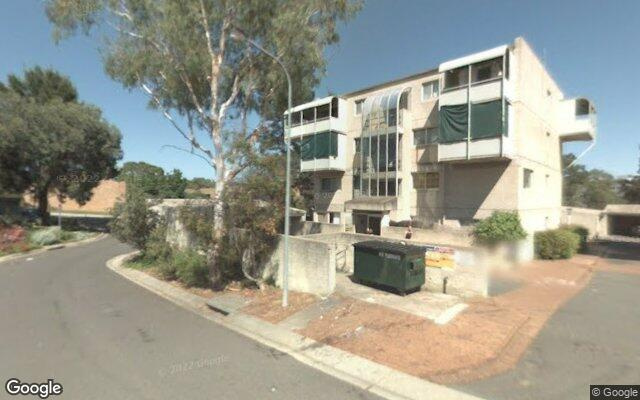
(67, 317)
(593, 339)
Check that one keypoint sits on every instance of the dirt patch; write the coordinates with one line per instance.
(267, 304)
(489, 337)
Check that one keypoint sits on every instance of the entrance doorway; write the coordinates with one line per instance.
(368, 221)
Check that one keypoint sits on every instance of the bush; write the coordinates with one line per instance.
(133, 221)
(191, 268)
(556, 244)
(46, 236)
(580, 231)
(167, 270)
(156, 248)
(500, 227)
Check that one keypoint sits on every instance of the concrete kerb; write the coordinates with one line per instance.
(360, 372)
(56, 246)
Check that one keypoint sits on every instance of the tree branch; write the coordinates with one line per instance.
(191, 152)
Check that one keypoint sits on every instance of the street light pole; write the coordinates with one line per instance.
(285, 267)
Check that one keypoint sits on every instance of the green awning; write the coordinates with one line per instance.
(453, 123)
(486, 119)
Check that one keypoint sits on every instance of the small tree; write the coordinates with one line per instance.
(500, 227)
(133, 222)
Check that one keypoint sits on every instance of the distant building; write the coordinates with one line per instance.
(479, 133)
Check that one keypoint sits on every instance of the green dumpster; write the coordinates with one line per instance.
(392, 265)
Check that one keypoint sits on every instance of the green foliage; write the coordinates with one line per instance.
(167, 269)
(200, 183)
(191, 268)
(46, 236)
(198, 220)
(587, 188)
(630, 189)
(556, 244)
(42, 86)
(133, 221)
(156, 247)
(501, 226)
(50, 143)
(153, 181)
(582, 232)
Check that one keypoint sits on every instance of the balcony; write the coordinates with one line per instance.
(327, 114)
(577, 120)
(322, 151)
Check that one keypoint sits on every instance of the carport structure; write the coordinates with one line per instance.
(623, 219)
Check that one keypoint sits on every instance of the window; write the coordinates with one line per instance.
(295, 118)
(404, 101)
(486, 70)
(430, 90)
(356, 145)
(319, 145)
(334, 107)
(423, 137)
(582, 107)
(426, 180)
(527, 178)
(359, 104)
(308, 115)
(322, 112)
(329, 184)
(456, 77)
(334, 218)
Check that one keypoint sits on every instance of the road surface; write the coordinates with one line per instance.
(69, 318)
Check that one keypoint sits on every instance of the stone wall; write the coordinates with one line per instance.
(169, 210)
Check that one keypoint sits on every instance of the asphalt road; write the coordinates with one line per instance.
(66, 316)
(593, 339)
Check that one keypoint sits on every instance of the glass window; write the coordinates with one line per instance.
(456, 77)
(382, 187)
(356, 182)
(334, 107)
(322, 112)
(374, 152)
(356, 145)
(582, 107)
(404, 101)
(486, 70)
(391, 187)
(307, 148)
(359, 104)
(527, 178)
(392, 152)
(308, 115)
(430, 90)
(382, 161)
(295, 118)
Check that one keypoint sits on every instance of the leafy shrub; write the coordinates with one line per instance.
(580, 231)
(556, 244)
(156, 248)
(501, 226)
(191, 268)
(167, 270)
(46, 236)
(133, 221)
(11, 235)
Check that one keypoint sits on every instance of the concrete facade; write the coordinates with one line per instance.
(467, 180)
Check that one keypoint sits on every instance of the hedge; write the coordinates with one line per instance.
(556, 244)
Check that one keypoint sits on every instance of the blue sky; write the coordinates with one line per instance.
(590, 47)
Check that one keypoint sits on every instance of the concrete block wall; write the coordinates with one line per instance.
(594, 220)
(312, 266)
(437, 235)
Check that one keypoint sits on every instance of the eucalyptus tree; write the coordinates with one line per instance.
(190, 57)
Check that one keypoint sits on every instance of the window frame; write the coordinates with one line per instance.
(527, 178)
(425, 180)
(431, 84)
(360, 103)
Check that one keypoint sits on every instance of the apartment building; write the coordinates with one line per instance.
(479, 133)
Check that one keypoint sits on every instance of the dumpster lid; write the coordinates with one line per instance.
(391, 247)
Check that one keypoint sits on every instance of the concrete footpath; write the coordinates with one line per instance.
(358, 371)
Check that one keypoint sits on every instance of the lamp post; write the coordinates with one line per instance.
(237, 34)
